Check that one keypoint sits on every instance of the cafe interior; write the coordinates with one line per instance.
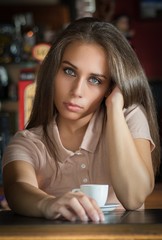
(27, 28)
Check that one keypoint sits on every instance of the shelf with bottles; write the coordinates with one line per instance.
(10, 75)
(21, 30)
(25, 26)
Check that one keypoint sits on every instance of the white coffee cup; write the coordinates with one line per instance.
(99, 192)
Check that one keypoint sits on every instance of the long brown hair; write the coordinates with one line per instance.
(125, 70)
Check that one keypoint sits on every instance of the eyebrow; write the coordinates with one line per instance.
(94, 74)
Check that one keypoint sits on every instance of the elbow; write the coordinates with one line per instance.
(135, 201)
(133, 205)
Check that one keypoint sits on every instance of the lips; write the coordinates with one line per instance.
(72, 107)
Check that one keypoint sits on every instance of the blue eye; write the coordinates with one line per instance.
(94, 81)
(69, 71)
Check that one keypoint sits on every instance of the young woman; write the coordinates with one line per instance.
(93, 121)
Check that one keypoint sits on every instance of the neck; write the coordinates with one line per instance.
(72, 126)
(72, 132)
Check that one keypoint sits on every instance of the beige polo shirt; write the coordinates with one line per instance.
(87, 165)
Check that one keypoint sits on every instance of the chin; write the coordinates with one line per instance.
(71, 116)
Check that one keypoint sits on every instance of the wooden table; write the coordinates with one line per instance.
(118, 225)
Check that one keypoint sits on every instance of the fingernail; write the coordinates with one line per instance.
(85, 219)
(96, 218)
(73, 219)
(102, 218)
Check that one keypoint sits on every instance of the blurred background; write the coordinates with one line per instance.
(28, 27)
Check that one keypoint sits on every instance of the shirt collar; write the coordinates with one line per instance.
(90, 140)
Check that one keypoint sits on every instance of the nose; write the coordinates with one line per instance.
(77, 89)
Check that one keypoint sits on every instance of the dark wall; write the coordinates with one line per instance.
(147, 41)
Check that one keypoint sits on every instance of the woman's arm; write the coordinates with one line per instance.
(21, 188)
(130, 164)
(24, 197)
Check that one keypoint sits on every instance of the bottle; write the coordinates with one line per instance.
(16, 45)
(29, 34)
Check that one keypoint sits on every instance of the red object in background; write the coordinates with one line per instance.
(21, 89)
(27, 77)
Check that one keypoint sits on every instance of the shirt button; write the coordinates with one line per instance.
(83, 165)
(85, 180)
(78, 153)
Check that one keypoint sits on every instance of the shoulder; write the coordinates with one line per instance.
(134, 110)
(27, 138)
(136, 118)
(24, 145)
(28, 145)
(33, 133)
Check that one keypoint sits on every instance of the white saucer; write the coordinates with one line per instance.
(109, 207)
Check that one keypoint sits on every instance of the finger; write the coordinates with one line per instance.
(98, 209)
(68, 207)
(76, 206)
(91, 208)
(71, 201)
(63, 211)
